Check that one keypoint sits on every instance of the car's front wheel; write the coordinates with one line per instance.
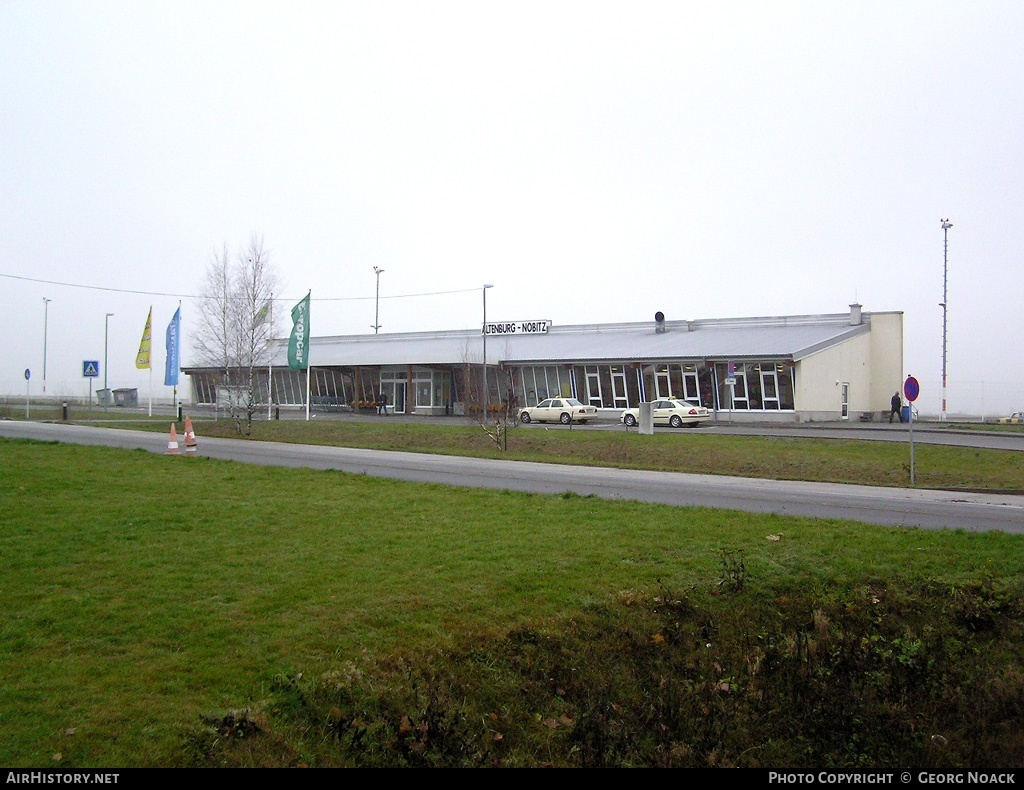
(525, 418)
(630, 420)
(676, 421)
(565, 419)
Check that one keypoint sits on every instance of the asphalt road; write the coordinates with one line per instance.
(872, 505)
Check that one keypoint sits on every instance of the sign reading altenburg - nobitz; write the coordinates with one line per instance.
(517, 327)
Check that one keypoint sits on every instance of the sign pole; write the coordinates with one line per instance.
(90, 370)
(28, 384)
(911, 445)
(911, 389)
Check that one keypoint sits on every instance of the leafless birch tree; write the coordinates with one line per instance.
(235, 325)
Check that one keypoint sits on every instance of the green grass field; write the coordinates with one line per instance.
(189, 612)
(805, 458)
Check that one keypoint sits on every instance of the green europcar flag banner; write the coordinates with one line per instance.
(298, 341)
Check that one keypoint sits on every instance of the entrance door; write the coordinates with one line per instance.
(846, 401)
(691, 393)
(769, 387)
(394, 391)
(619, 387)
(593, 387)
(662, 382)
(739, 398)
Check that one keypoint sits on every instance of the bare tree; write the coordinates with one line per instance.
(213, 341)
(257, 280)
(496, 423)
(236, 325)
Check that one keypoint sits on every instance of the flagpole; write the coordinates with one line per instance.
(270, 363)
(174, 391)
(308, 365)
(172, 363)
(144, 359)
(298, 342)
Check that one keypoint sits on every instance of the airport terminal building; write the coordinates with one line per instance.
(785, 369)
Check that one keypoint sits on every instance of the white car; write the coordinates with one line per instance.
(670, 411)
(563, 410)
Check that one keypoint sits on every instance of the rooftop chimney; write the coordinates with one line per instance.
(855, 317)
(659, 322)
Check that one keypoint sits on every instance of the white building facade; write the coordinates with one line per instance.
(781, 369)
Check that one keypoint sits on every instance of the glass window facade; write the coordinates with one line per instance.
(760, 386)
(693, 382)
(289, 386)
(535, 383)
(433, 388)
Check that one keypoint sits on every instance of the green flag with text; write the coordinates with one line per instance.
(298, 342)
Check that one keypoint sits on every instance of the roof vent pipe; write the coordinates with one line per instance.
(659, 322)
(855, 315)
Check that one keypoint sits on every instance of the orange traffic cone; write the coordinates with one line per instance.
(172, 443)
(191, 447)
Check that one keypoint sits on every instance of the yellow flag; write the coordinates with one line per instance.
(142, 360)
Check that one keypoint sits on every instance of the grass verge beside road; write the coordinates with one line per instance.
(805, 458)
(170, 611)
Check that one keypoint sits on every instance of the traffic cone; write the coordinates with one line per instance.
(172, 443)
(191, 447)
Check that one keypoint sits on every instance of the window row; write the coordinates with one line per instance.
(757, 386)
(751, 386)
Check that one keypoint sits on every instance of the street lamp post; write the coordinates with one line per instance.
(946, 225)
(46, 305)
(486, 395)
(106, 330)
(376, 310)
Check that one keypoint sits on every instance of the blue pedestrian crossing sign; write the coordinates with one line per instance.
(90, 368)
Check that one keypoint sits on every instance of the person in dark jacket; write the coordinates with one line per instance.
(896, 409)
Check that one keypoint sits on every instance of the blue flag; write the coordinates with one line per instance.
(173, 346)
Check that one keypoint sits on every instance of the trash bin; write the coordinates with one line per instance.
(104, 397)
(905, 414)
(126, 396)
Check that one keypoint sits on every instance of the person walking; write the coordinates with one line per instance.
(896, 408)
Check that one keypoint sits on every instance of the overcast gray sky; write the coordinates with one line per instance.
(594, 161)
